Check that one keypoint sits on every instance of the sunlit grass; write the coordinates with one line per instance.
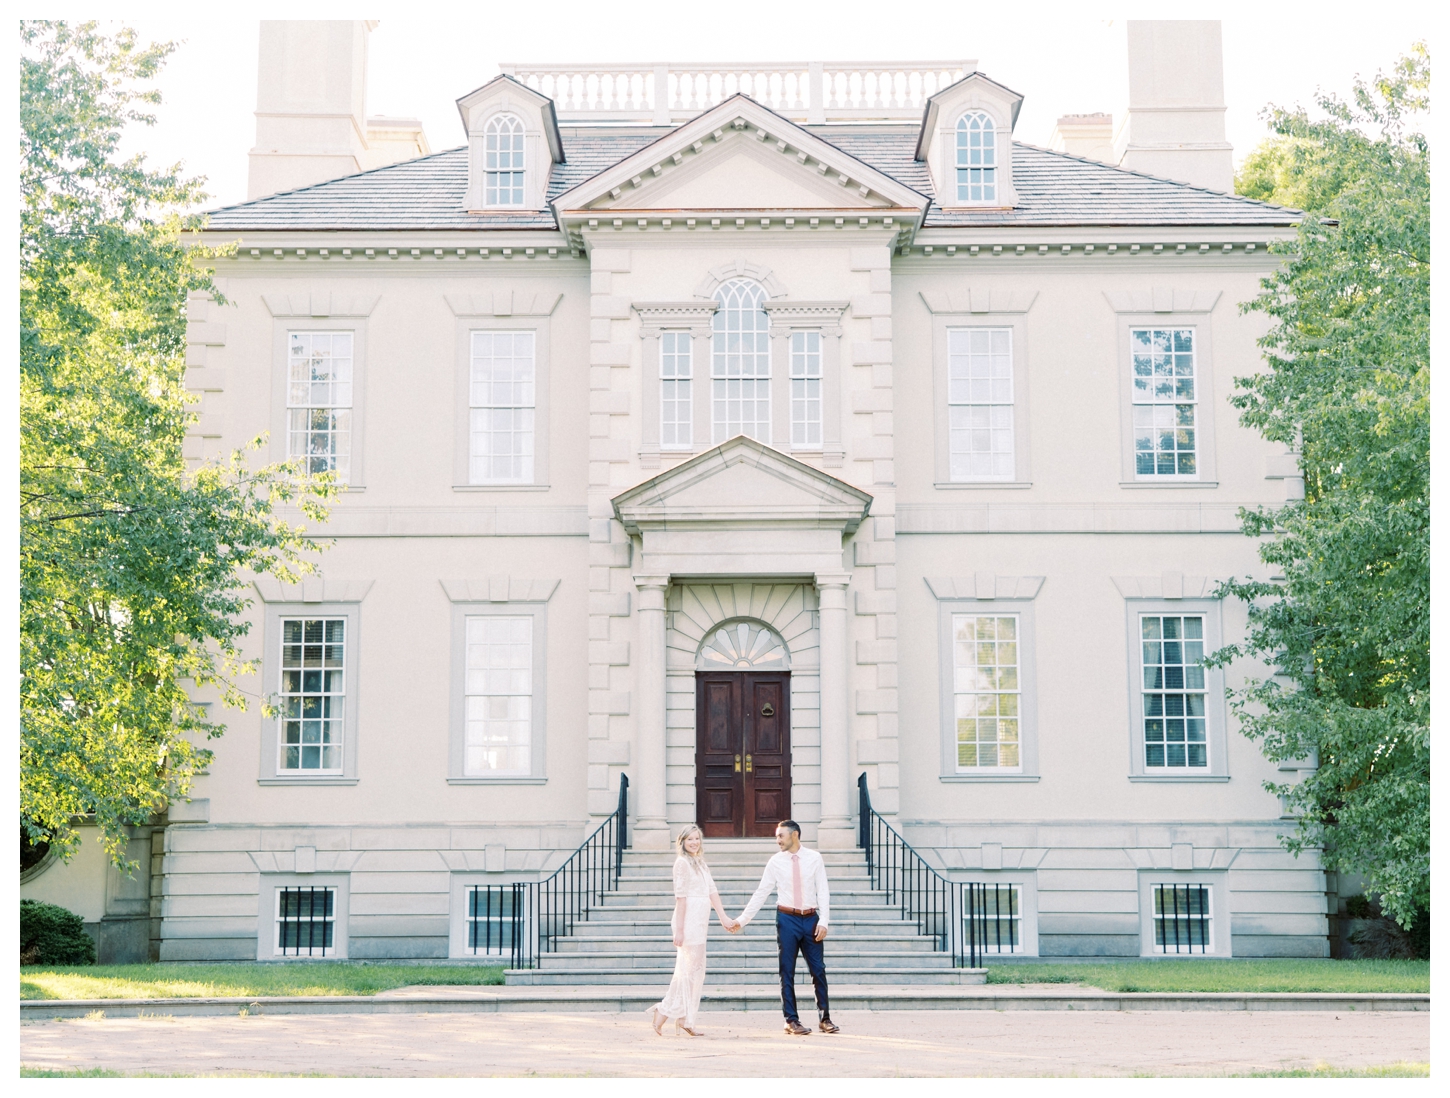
(188, 981)
(1286, 974)
(1402, 1069)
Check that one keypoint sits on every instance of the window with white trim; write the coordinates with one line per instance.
(676, 395)
(498, 695)
(979, 392)
(987, 691)
(313, 695)
(493, 919)
(1175, 720)
(306, 922)
(501, 407)
(976, 158)
(503, 143)
(740, 363)
(993, 913)
(1182, 918)
(805, 390)
(1165, 402)
(319, 401)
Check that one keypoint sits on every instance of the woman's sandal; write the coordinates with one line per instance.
(680, 1027)
(657, 1021)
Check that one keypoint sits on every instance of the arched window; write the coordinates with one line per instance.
(743, 646)
(740, 371)
(504, 161)
(976, 158)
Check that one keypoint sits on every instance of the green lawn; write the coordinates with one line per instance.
(1225, 975)
(168, 981)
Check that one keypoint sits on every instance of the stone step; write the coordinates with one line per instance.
(842, 937)
(898, 976)
(659, 915)
(761, 960)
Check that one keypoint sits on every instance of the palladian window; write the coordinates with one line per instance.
(740, 367)
(976, 158)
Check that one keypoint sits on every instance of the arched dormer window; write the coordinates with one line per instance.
(504, 161)
(976, 158)
(740, 366)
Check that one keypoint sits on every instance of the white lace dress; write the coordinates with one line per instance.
(693, 882)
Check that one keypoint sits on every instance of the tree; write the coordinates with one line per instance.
(131, 565)
(1348, 385)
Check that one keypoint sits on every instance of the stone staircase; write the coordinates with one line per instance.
(627, 939)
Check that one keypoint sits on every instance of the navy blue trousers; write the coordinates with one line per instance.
(796, 934)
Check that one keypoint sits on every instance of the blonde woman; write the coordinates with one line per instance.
(695, 895)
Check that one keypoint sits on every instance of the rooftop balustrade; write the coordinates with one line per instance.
(804, 91)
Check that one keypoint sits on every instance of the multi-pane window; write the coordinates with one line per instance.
(319, 401)
(994, 916)
(312, 696)
(1182, 918)
(676, 396)
(805, 390)
(1165, 397)
(494, 915)
(1175, 726)
(306, 921)
(498, 695)
(976, 159)
(501, 408)
(503, 144)
(988, 691)
(740, 366)
(979, 395)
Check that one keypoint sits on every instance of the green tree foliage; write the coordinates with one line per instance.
(131, 564)
(1348, 385)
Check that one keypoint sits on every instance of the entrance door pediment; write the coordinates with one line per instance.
(742, 508)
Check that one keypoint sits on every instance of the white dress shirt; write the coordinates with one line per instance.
(778, 878)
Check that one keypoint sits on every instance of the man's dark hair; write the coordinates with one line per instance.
(790, 825)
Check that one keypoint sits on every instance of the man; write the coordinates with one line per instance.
(797, 876)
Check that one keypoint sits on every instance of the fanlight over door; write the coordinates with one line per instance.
(743, 646)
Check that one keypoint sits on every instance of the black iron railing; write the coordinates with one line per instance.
(940, 908)
(522, 921)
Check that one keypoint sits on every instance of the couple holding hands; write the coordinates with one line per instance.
(798, 878)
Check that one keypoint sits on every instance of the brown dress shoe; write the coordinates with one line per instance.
(828, 1026)
(795, 1029)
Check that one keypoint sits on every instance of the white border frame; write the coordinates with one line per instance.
(459, 612)
(463, 350)
(267, 886)
(1027, 671)
(282, 328)
(1214, 700)
(1016, 322)
(1221, 931)
(1204, 415)
(1026, 880)
(271, 677)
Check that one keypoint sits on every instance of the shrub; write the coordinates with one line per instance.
(51, 935)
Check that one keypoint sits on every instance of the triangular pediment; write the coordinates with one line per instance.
(739, 155)
(743, 482)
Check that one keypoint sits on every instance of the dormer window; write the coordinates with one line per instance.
(504, 161)
(976, 158)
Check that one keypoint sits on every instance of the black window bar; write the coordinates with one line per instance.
(544, 911)
(1182, 918)
(306, 918)
(497, 915)
(994, 915)
(919, 892)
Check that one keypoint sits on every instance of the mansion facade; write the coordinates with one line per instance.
(742, 430)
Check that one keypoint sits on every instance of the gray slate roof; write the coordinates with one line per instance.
(1053, 189)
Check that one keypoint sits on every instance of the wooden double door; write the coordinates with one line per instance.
(742, 752)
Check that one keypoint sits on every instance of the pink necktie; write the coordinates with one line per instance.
(795, 883)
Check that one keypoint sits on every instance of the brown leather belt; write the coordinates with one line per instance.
(796, 910)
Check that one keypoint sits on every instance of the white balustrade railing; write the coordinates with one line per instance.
(815, 91)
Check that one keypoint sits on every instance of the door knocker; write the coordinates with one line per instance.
(768, 710)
